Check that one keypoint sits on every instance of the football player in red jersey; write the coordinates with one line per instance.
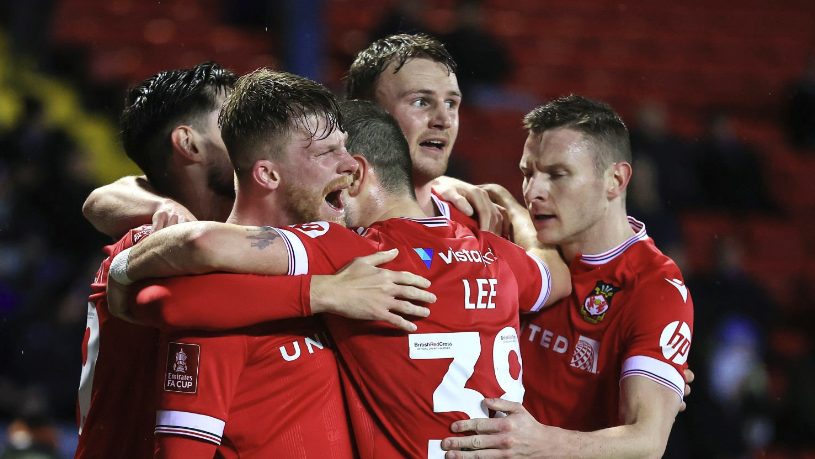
(403, 389)
(169, 128)
(413, 77)
(115, 411)
(604, 367)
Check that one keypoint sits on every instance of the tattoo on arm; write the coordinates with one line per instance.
(265, 238)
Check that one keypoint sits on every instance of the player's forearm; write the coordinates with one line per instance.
(623, 442)
(205, 247)
(209, 302)
(122, 205)
(174, 251)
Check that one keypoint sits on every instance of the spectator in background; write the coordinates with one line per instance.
(801, 110)
(645, 203)
(670, 155)
(484, 63)
(404, 16)
(31, 437)
(730, 416)
(730, 171)
(481, 58)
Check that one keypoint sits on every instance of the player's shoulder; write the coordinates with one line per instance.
(658, 276)
(316, 229)
(449, 211)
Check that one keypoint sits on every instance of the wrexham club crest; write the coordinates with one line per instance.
(597, 303)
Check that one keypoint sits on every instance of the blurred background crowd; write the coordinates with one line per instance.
(719, 96)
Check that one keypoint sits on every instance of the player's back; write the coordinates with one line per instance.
(116, 403)
(406, 389)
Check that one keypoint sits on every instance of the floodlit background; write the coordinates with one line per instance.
(719, 96)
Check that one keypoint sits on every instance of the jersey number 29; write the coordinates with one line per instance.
(465, 349)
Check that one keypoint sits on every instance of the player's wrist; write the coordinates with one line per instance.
(118, 267)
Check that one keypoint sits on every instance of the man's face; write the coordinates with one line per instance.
(563, 192)
(219, 170)
(313, 174)
(424, 98)
(211, 146)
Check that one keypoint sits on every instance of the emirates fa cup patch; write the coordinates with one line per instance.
(182, 368)
(598, 301)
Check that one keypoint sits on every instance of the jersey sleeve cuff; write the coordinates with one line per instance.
(546, 283)
(655, 370)
(199, 426)
(298, 257)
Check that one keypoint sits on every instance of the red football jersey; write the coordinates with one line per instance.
(271, 390)
(629, 314)
(115, 406)
(450, 212)
(406, 389)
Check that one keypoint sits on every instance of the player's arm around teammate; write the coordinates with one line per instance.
(647, 411)
(367, 293)
(130, 202)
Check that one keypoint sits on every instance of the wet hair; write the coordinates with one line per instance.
(159, 104)
(371, 62)
(595, 120)
(266, 108)
(374, 134)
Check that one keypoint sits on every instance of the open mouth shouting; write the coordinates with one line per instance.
(437, 144)
(333, 193)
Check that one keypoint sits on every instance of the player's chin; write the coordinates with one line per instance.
(333, 214)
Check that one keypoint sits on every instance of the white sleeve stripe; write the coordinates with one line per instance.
(443, 207)
(298, 257)
(190, 424)
(546, 283)
(188, 433)
(655, 370)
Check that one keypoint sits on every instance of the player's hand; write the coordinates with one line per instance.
(117, 301)
(360, 290)
(689, 377)
(170, 213)
(470, 200)
(516, 435)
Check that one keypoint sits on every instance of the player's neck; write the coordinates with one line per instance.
(424, 199)
(403, 207)
(603, 236)
(203, 202)
(258, 211)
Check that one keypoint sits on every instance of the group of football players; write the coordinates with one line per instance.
(446, 320)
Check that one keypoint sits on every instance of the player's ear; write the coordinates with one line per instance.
(620, 175)
(265, 174)
(183, 140)
(359, 176)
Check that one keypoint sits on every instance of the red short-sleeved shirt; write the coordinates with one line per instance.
(405, 389)
(629, 314)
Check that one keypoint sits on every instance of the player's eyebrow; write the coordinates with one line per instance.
(428, 92)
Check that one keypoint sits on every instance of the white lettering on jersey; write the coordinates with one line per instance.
(560, 345)
(310, 344)
(313, 229)
(679, 286)
(471, 256)
(675, 342)
(586, 353)
(486, 290)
